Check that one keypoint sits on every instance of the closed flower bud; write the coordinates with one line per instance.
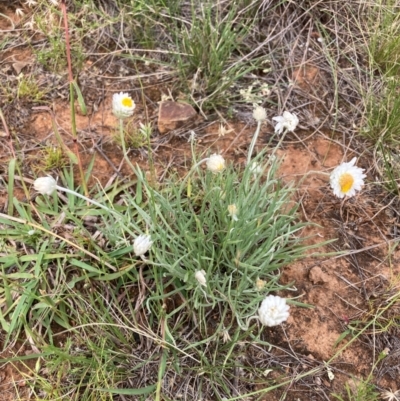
(200, 276)
(259, 113)
(141, 245)
(233, 210)
(45, 185)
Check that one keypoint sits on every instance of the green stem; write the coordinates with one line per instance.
(253, 142)
(121, 133)
(70, 191)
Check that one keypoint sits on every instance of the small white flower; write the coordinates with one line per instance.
(259, 113)
(222, 131)
(200, 276)
(215, 163)
(30, 24)
(232, 209)
(287, 121)
(122, 105)
(45, 185)
(142, 244)
(346, 179)
(192, 137)
(31, 232)
(19, 12)
(391, 395)
(273, 311)
(225, 336)
(31, 3)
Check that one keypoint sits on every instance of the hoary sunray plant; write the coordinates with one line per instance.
(217, 233)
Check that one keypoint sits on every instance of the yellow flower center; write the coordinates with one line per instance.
(346, 182)
(127, 102)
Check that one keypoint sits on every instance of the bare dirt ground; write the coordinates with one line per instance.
(341, 289)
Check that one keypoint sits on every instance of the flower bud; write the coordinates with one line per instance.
(142, 244)
(200, 276)
(45, 185)
(259, 113)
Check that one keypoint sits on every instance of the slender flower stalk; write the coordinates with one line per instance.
(215, 164)
(123, 107)
(122, 136)
(47, 185)
(259, 115)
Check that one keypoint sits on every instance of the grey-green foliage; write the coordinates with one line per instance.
(193, 231)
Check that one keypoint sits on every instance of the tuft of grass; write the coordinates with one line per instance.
(51, 158)
(207, 46)
(28, 89)
(360, 390)
(384, 44)
(382, 97)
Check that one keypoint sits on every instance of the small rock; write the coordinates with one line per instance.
(317, 276)
(173, 115)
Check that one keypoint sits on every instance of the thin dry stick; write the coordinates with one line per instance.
(3, 120)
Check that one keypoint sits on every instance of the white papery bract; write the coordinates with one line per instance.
(142, 244)
(45, 185)
(286, 121)
(346, 179)
(122, 105)
(215, 163)
(273, 311)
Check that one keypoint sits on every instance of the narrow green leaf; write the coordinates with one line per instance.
(81, 101)
(129, 391)
(11, 172)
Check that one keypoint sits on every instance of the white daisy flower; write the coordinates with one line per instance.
(122, 105)
(259, 113)
(215, 163)
(346, 179)
(141, 245)
(273, 311)
(45, 185)
(287, 121)
(200, 276)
